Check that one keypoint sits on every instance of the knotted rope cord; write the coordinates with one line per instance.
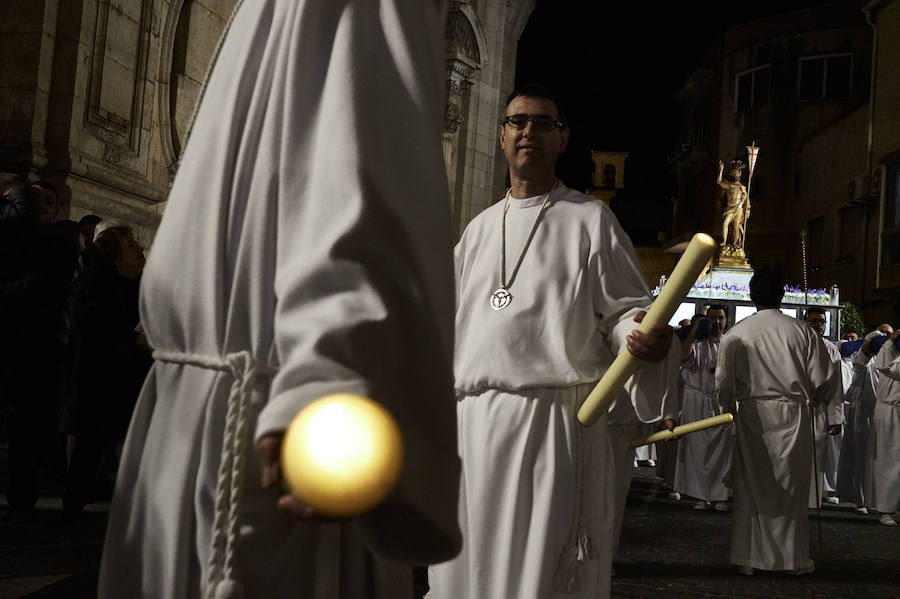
(579, 547)
(221, 581)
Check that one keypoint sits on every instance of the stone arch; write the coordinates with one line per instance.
(183, 62)
(464, 37)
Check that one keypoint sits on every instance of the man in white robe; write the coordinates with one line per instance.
(882, 481)
(704, 458)
(772, 367)
(537, 497)
(828, 421)
(860, 408)
(305, 250)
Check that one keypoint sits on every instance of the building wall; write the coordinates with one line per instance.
(885, 150)
(814, 160)
(97, 96)
(478, 173)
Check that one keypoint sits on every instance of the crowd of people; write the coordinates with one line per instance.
(305, 250)
(72, 360)
(846, 456)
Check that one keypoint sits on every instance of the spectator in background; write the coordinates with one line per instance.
(110, 359)
(38, 263)
(88, 225)
(45, 200)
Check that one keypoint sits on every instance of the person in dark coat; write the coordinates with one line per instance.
(35, 278)
(110, 359)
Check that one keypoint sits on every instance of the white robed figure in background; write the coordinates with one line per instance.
(537, 501)
(305, 250)
(703, 465)
(860, 408)
(772, 367)
(828, 420)
(882, 482)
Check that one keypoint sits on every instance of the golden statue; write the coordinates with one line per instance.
(737, 205)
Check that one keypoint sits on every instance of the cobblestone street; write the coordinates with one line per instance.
(668, 550)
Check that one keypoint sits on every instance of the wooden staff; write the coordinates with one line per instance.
(686, 272)
(684, 429)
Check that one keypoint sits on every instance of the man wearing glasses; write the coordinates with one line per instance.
(548, 291)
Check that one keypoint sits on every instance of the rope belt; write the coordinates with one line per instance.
(221, 581)
(712, 393)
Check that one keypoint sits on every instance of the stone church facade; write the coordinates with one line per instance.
(96, 96)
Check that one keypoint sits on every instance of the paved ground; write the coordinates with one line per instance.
(668, 550)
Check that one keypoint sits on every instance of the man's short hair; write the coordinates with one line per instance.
(537, 90)
(45, 185)
(721, 307)
(766, 288)
(89, 219)
(815, 310)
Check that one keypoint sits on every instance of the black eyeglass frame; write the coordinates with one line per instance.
(555, 124)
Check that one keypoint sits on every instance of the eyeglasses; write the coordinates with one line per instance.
(544, 124)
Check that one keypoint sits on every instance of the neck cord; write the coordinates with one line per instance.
(504, 284)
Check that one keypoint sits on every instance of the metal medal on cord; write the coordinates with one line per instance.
(502, 297)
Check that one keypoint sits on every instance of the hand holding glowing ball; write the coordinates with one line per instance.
(342, 454)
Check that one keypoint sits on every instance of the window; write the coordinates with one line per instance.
(824, 77)
(609, 176)
(815, 247)
(851, 227)
(752, 88)
(890, 217)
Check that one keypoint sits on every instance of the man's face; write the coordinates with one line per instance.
(531, 153)
(886, 329)
(717, 319)
(45, 203)
(851, 336)
(816, 321)
(131, 255)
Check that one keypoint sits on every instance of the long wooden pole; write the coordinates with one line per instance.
(685, 274)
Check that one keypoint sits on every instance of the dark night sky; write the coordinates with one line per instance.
(617, 65)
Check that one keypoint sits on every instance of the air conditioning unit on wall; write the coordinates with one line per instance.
(875, 182)
(859, 188)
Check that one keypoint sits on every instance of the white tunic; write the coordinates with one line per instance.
(309, 227)
(828, 447)
(704, 458)
(772, 366)
(882, 479)
(536, 490)
(860, 408)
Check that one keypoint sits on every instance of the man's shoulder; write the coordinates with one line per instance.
(479, 219)
(577, 204)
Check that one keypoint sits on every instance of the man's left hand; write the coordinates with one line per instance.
(651, 346)
(834, 429)
(667, 425)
